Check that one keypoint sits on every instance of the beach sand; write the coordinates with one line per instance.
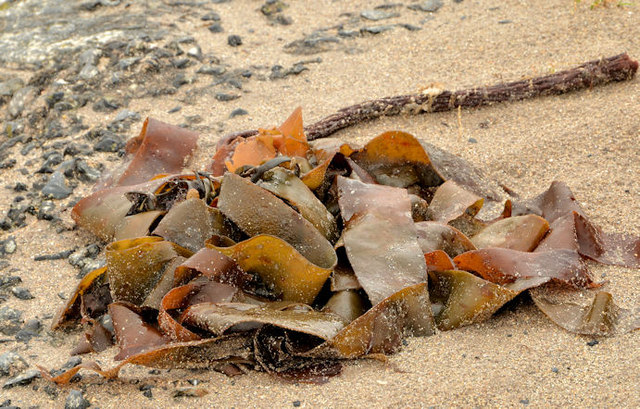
(588, 139)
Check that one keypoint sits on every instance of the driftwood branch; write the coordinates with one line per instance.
(588, 75)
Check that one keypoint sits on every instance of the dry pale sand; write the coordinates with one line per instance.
(587, 139)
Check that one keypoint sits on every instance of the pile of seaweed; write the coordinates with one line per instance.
(289, 257)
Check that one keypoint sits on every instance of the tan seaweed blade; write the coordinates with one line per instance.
(588, 75)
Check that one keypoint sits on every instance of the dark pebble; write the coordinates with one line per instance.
(105, 105)
(296, 403)
(593, 342)
(108, 142)
(216, 28)
(427, 6)
(377, 15)
(376, 29)
(238, 112)
(174, 109)
(555, 370)
(56, 187)
(126, 63)
(211, 16)
(75, 400)
(146, 390)
(234, 40)
(181, 63)
(22, 293)
(8, 164)
(8, 246)
(505, 21)
(30, 330)
(180, 80)
(46, 210)
(224, 97)
(23, 379)
(410, 27)
(126, 115)
(473, 140)
(20, 187)
(11, 363)
(212, 70)
(524, 401)
(9, 281)
(10, 320)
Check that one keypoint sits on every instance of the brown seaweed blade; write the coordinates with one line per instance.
(133, 334)
(558, 205)
(398, 159)
(434, 236)
(258, 211)
(286, 272)
(135, 266)
(584, 312)
(204, 353)
(190, 223)
(382, 328)
(452, 201)
(504, 266)
(184, 296)
(462, 299)
(221, 318)
(103, 212)
(159, 149)
(284, 184)
(71, 310)
(380, 238)
(521, 233)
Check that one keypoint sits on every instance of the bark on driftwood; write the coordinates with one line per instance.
(588, 75)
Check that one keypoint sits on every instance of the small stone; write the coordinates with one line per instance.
(238, 112)
(105, 105)
(190, 392)
(174, 109)
(9, 281)
(430, 6)
(85, 172)
(30, 330)
(90, 56)
(23, 379)
(296, 403)
(125, 114)
(9, 246)
(211, 16)
(505, 21)
(11, 364)
(109, 142)
(212, 70)
(126, 63)
(555, 370)
(22, 293)
(10, 86)
(224, 97)
(88, 71)
(376, 15)
(146, 390)
(10, 320)
(56, 187)
(271, 7)
(181, 63)
(410, 27)
(376, 29)
(524, 401)
(75, 400)
(234, 40)
(21, 98)
(180, 80)
(195, 52)
(216, 28)
(473, 140)
(593, 342)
